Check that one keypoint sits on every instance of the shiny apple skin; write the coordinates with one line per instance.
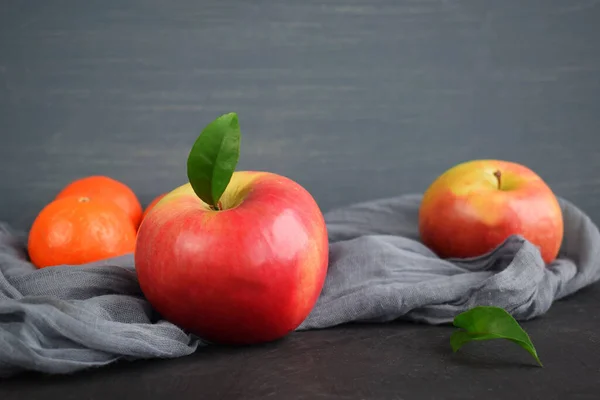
(464, 213)
(250, 273)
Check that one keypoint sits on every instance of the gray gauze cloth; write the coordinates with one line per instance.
(67, 318)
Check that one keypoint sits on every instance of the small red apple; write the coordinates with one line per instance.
(473, 207)
(239, 267)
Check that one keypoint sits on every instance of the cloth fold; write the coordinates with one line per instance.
(68, 318)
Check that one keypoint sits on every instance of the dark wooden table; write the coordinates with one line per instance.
(353, 99)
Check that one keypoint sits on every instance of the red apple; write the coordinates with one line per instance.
(473, 207)
(249, 271)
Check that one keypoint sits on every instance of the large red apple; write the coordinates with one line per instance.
(473, 207)
(247, 268)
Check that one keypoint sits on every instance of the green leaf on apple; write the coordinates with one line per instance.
(213, 158)
(487, 323)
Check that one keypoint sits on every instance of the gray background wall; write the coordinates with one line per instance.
(353, 99)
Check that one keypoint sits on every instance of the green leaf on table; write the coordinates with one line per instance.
(486, 323)
(214, 157)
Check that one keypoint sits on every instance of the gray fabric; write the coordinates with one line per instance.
(64, 319)
(379, 271)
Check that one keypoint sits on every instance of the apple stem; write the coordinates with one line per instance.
(217, 207)
(498, 176)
